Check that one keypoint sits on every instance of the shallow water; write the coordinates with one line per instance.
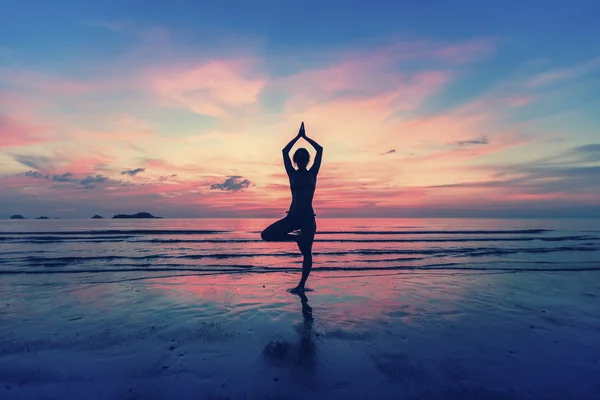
(234, 246)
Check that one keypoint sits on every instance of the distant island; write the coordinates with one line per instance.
(17, 216)
(44, 217)
(99, 216)
(138, 215)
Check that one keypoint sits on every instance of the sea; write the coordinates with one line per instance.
(360, 246)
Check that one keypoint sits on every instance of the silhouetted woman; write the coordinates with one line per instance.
(301, 214)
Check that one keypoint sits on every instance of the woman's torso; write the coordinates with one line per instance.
(302, 185)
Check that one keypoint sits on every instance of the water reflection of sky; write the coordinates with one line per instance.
(336, 300)
(363, 332)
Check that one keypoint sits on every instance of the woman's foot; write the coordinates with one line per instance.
(298, 289)
(296, 236)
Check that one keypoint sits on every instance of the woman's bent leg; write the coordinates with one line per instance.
(279, 231)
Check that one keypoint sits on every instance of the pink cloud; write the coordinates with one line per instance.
(14, 134)
(85, 164)
(374, 73)
(38, 83)
(467, 52)
(520, 100)
(561, 74)
(214, 88)
(43, 83)
(165, 167)
(358, 101)
(402, 50)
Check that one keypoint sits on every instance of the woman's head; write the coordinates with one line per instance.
(301, 158)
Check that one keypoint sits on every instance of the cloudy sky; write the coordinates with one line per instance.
(181, 108)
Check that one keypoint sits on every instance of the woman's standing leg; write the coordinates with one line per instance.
(305, 242)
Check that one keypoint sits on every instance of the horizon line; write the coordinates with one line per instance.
(325, 217)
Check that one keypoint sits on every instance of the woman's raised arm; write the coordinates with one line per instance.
(286, 152)
(317, 164)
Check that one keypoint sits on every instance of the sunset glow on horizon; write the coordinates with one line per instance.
(182, 110)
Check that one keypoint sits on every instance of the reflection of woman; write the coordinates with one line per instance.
(306, 347)
(304, 355)
(301, 214)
